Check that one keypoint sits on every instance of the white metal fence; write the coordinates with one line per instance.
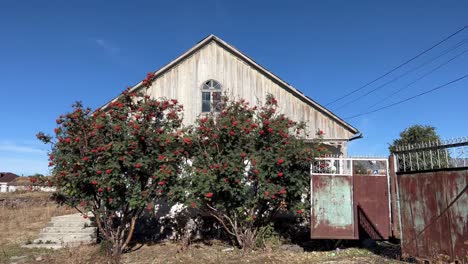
(334, 165)
(444, 154)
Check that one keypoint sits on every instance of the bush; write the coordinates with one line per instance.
(248, 164)
(116, 162)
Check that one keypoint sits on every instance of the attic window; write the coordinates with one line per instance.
(211, 96)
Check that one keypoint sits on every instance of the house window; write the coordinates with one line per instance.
(211, 96)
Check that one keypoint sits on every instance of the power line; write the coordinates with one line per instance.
(399, 66)
(405, 73)
(409, 98)
(423, 76)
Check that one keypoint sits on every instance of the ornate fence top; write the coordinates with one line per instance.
(447, 143)
(443, 154)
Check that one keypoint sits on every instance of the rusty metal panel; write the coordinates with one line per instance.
(371, 199)
(332, 214)
(434, 213)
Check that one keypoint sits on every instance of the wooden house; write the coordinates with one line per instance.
(213, 67)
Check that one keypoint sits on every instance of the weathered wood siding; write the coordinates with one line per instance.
(240, 80)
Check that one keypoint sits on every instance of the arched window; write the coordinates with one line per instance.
(211, 96)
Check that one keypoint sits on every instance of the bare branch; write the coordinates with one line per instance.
(220, 219)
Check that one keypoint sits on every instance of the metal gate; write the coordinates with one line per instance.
(350, 198)
(432, 183)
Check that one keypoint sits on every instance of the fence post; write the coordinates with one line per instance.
(395, 225)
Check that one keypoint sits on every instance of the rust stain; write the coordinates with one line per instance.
(434, 214)
(371, 199)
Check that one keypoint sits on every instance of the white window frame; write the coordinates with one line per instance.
(211, 87)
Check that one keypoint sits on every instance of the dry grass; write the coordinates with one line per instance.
(76, 255)
(199, 253)
(25, 194)
(22, 220)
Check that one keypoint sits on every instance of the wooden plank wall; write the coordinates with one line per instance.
(240, 80)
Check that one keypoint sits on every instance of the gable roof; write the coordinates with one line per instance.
(254, 64)
(7, 176)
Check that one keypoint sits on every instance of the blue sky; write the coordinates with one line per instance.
(53, 53)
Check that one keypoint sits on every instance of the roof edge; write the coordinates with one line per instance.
(286, 85)
(249, 60)
(166, 67)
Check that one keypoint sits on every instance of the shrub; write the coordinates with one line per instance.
(116, 162)
(248, 164)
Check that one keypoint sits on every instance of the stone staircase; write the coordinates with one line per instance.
(66, 231)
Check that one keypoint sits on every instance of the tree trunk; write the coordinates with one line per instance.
(245, 237)
(116, 252)
(130, 233)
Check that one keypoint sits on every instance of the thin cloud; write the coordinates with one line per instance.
(10, 147)
(107, 46)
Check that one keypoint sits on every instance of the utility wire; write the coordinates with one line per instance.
(423, 76)
(399, 66)
(405, 73)
(409, 98)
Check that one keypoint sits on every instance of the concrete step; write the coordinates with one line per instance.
(60, 240)
(66, 230)
(48, 246)
(63, 241)
(66, 236)
(58, 244)
(69, 224)
(69, 230)
(78, 215)
(74, 217)
(71, 219)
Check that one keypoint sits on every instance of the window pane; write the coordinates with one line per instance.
(217, 103)
(206, 102)
(206, 85)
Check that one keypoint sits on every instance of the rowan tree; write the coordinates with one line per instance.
(116, 161)
(248, 164)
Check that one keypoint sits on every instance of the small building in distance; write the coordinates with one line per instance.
(6, 180)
